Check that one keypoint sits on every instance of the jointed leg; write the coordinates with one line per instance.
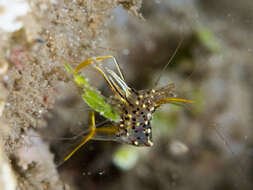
(111, 83)
(113, 86)
(119, 84)
(86, 138)
(106, 79)
(115, 62)
(109, 130)
(101, 58)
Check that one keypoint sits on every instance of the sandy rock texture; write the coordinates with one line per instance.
(207, 145)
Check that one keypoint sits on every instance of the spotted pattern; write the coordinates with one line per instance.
(136, 116)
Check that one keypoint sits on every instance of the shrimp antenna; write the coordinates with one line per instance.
(171, 58)
(224, 139)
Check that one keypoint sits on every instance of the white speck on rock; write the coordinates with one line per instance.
(11, 11)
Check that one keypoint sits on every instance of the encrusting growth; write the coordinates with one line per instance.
(134, 107)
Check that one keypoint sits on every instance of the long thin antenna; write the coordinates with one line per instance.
(171, 58)
(223, 138)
